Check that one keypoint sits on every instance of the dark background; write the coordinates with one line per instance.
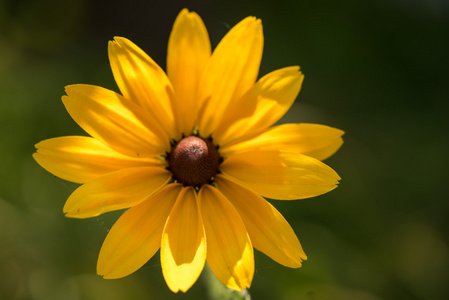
(376, 69)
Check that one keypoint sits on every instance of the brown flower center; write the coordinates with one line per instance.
(194, 161)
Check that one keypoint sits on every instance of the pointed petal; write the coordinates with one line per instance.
(183, 246)
(115, 121)
(317, 141)
(188, 54)
(262, 106)
(231, 72)
(229, 249)
(140, 79)
(114, 191)
(136, 236)
(269, 232)
(281, 175)
(80, 159)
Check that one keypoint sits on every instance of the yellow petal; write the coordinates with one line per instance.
(136, 236)
(188, 53)
(262, 106)
(115, 121)
(229, 249)
(80, 159)
(183, 246)
(318, 141)
(140, 79)
(269, 232)
(114, 191)
(231, 72)
(281, 175)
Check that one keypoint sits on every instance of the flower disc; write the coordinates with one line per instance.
(194, 161)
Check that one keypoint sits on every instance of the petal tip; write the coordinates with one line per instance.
(72, 89)
(70, 214)
(67, 89)
(119, 40)
(65, 98)
(116, 43)
(106, 272)
(106, 275)
(183, 12)
(175, 289)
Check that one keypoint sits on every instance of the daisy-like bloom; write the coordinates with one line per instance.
(191, 154)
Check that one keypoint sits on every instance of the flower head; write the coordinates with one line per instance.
(191, 155)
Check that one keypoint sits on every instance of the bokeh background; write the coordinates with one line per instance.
(376, 69)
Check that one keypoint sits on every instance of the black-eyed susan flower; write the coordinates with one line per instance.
(191, 154)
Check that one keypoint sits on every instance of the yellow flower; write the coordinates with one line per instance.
(190, 154)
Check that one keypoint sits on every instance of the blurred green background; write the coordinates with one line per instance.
(376, 69)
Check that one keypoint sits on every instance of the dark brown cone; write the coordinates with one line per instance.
(194, 161)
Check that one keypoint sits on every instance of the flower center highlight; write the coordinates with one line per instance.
(194, 161)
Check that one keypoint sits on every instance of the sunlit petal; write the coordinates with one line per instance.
(188, 54)
(229, 249)
(143, 81)
(231, 72)
(270, 233)
(281, 175)
(262, 106)
(114, 191)
(136, 236)
(183, 246)
(81, 159)
(115, 121)
(318, 141)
